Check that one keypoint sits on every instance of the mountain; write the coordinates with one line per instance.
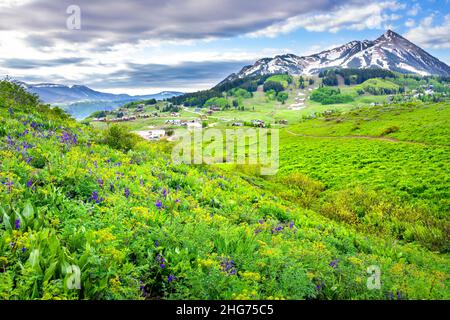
(57, 93)
(81, 101)
(390, 51)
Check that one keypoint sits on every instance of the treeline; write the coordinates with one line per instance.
(353, 76)
(134, 104)
(327, 95)
(198, 99)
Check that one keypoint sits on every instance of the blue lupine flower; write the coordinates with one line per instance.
(228, 266)
(96, 198)
(9, 184)
(334, 263)
(17, 224)
(277, 229)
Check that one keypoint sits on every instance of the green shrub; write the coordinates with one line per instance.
(118, 137)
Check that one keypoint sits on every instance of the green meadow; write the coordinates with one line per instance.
(359, 187)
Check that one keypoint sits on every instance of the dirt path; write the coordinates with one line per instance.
(367, 138)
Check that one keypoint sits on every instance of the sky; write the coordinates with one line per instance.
(148, 46)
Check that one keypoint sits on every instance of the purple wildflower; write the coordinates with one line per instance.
(24, 249)
(261, 221)
(156, 244)
(277, 229)
(334, 263)
(171, 278)
(162, 265)
(96, 198)
(9, 184)
(127, 193)
(30, 183)
(17, 224)
(100, 183)
(158, 204)
(228, 266)
(291, 225)
(164, 193)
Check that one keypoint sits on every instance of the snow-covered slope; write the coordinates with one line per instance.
(390, 51)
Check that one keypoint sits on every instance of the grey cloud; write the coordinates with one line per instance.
(15, 63)
(181, 75)
(108, 22)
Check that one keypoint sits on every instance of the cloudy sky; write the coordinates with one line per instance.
(146, 46)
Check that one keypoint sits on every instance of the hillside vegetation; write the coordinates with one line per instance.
(140, 227)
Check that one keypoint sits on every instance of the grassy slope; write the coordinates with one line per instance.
(208, 215)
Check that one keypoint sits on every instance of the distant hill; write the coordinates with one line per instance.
(57, 93)
(80, 101)
(390, 52)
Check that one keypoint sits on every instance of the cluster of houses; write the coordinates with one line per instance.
(258, 123)
(184, 123)
(122, 119)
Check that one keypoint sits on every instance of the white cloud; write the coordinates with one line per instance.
(414, 10)
(352, 17)
(410, 23)
(430, 35)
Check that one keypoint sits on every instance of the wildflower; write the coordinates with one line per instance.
(277, 229)
(171, 278)
(228, 266)
(291, 225)
(158, 204)
(334, 263)
(156, 244)
(9, 184)
(261, 221)
(12, 244)
(24, 249)
(30, 183)
(17, 224)
(95, 197)
(100, 183)
(127, 193)
(10, 141)
(164, 193)
(161, 260)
